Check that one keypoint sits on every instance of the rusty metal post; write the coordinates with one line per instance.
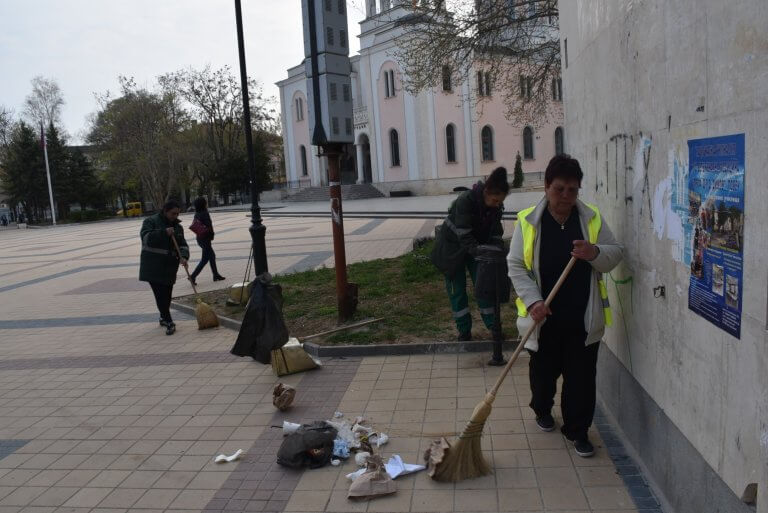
(346, 293)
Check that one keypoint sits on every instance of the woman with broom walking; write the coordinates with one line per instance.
(546, 236)
(160, 260)
(474, 218)
(203, 228)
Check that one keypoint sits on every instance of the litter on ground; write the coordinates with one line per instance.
(223, 458)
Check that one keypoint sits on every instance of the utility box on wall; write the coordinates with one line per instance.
(327, 67)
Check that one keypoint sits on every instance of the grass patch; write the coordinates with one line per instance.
(407, 291)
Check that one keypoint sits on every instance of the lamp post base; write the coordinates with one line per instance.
(258, 238)
(493, 362)
(497, 359)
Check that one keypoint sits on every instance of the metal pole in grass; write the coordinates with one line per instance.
(329, 105)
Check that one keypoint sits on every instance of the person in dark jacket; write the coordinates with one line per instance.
(160, 260)
(204, 241)
(474, 218)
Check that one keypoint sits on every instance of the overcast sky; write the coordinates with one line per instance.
(85, 44)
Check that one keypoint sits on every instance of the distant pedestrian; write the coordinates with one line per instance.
(4, 220)
(474, 218)
(203, 228)
(159, 259)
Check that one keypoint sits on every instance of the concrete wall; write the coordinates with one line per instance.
(642, 78)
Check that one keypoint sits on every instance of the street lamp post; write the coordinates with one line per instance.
(257, 229)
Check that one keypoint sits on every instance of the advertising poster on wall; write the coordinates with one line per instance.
(716, 211)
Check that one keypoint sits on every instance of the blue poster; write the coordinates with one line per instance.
(716, 212)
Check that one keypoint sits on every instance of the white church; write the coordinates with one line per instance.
(427, 143)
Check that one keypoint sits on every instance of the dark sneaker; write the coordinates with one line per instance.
(465, 337)
(219, 278)
(170, 328)
(163, 323)
(545, 422)
(584, 447)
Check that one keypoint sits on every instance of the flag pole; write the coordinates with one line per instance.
(48, 173)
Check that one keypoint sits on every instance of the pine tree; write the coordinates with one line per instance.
(58, 163)
(23, 172)
(517, 180)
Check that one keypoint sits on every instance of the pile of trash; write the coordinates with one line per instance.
(333, 441)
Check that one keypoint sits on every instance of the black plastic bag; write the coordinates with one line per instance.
(492, 274)
(263, 328)
(310, 446)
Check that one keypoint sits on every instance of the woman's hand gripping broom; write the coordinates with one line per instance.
(464, 458)
(206, 317)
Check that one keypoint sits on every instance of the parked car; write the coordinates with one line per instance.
(133, 209)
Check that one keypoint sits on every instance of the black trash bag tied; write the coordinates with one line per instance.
(263, 328)
(311, 445)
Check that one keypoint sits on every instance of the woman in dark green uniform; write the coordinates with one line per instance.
(474, 218)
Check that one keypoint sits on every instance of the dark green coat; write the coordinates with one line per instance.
(469, 223)
(159, 260)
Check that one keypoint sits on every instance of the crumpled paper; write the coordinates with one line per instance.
(373, 481)
(395, 467)
(282, 396)
(435, 454)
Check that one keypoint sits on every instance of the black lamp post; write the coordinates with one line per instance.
(257, 229)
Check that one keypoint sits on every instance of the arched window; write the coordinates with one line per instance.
(450, 142)
(394, 147)
(389, 84)
(299, 109)
(303, 150)
(559, 148)
(447, 78)
(557, 89)
(486, 138)
(527, 142)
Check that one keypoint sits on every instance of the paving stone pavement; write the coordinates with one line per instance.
(100, 412)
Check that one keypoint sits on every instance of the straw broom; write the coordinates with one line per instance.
(206, 317)
(464, 458)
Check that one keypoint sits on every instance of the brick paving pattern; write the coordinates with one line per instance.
(259, 483)
(101, 412)
(95, 362)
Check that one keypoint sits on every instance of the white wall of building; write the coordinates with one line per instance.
(642, 79)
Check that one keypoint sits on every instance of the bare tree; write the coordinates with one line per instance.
(44, 103)
(215, 99)
(512, 44)
(143, 129)
(6, 127)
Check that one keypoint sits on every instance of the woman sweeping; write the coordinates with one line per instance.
(204, 232)
(547, 235)
(474, 218)
(159, 259)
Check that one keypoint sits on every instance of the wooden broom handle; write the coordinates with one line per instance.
(173, 238)
(528, 333)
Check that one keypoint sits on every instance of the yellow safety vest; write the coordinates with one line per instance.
(529, 238)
